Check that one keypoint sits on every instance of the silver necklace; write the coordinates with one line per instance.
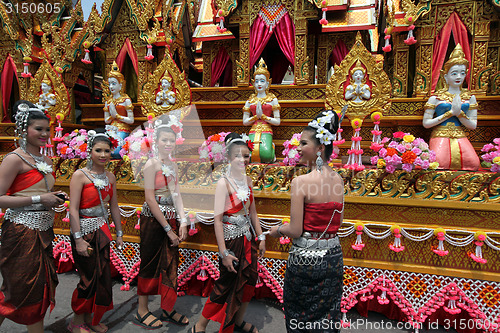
(100, 180)
(40, 163)
(242, 191)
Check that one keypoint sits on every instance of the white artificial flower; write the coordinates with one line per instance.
(136, 146)
(203, 154)
(245, 137)
(243, 194)
(320, 133)
(313, 124)
(137, 134)
(44, 167)
(167, 170)
(216, 148)
(292, 153)
(100, 183)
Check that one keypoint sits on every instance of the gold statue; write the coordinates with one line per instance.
(358, 90)
(47, 98)
(165, 97)
(118, 109)
(265, 110)
(449, 109)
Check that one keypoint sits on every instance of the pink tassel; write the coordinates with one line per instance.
(345, 323)
(358, 245)
(221, 27)
(149, 53)
(440, 235)
(387, 47)
(478, 256)
(354, 161)
(323, 20)
(25, 72)
(138, 224)
(66, 219)
(86, 58)
(410, 40)
(396, 246)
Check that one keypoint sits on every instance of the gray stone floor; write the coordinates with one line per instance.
(264, 315)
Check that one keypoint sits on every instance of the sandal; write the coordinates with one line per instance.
(193, 330)
(170, 318)
(83, 326)
(102, 328)
(140, 321)
(241, 327)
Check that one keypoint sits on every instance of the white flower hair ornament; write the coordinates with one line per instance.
(323, 134)
(174, 124)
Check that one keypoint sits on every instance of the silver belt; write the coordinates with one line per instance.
(93, 211)
(35, 220)
(236, 226)
(167, 210)
(315, 244)
(163, 200)
(32, 207)
(90, 224)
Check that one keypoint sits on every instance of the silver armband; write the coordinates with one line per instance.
(77, 235)
(119, 233)
(167, 228)
(35, 199)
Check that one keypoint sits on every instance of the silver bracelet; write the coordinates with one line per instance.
(119, 233)
(167, 228)
(35, 199)
(184, 220)
(279, 231)
(77, 235)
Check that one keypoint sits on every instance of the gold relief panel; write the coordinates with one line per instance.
(482, 29)
(465, 11)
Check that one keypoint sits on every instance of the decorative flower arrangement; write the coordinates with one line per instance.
(73, 145)
(403, 149)
(137, 145)
(290, 152)
(213, 148)
(492, 157)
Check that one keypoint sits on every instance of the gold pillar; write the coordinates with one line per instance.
(301, 59)
(479, 69)
(243, 65)
(207, 66)
(400, 78)
(423, 73)
(322, 58)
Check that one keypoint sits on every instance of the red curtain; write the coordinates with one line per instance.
(260, 35)
(453, 25)
(127, 49)
(218, 65)
(338, 53)
(8, 73)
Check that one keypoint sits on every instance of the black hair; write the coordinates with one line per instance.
(33, 115)
(332, 126)
(101, 138)
(231, 136)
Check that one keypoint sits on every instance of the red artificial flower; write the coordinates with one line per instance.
(215, 138)
(408, 157)
(126, 146)
(399, 135)
(250, 145)
(83, 147)
(63, 150)
(47, 115)
(391, 151)
(176, 128)
(114, 143)
(145, 145)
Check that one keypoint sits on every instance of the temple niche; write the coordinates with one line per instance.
(429, 231)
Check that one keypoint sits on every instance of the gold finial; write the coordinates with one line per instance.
(46, 80)
(166, 77)
(262, 69)
(115, 73)
(358, 66)
(457, 57)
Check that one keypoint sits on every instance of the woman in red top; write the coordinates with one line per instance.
(26, 259)
(91, 189)
(159, 228)
(236, 224)
(312, 288)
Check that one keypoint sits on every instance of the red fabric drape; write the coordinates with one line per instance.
(227, 75)
(285, 34)
(338, 53)
(280, 66)
(460, 36)
(218, 65)
(8, 73)
(127, 49)
(260, 35)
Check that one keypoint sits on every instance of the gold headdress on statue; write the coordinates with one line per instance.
(47, 81)
(457, 57)
(167, 77)
(262, 69)
(357, 67)
(115, 73)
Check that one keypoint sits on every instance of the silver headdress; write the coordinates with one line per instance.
(91, 135)
(22, 116)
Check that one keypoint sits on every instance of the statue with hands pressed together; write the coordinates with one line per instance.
(449, 109)
(358, 90)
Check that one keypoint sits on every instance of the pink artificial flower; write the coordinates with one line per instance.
(401, 148)
(399, 135)
(390, 168)
(374, 160)
(487, 147)
(407, 167)
(385, 140)
(417, 151)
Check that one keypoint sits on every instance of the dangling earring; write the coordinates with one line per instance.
(319, 162)
(89, 163)
(22, 142)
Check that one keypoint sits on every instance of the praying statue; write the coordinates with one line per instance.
(165, 97)
(261, 111)
(47, 98)
(358, 90)
(447, 110)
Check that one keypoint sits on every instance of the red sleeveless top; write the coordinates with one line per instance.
(25, 180)
(90, 196)
(234, 205)
(317, 216)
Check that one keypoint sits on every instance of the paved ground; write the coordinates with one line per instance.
(266, 317)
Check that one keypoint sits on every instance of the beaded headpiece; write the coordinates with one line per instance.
(244, 138)
(457, 57)
(262, 69)
(22, 117)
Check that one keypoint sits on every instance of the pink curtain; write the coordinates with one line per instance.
(285, 34)
(127, 49)
(8, 73)
(227, 76)
(338, 53)
(259, 36)
(453, 25)
(218, 65)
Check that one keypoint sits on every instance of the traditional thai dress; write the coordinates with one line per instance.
(449, 141)
(261, 132)
(93, 294)
(26, 258)
(230, 289)
(313, 283)
(159, 259)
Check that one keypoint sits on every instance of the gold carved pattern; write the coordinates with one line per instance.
(381, 86)
(228, 6)
(207, 73)
(301, 60)
(242, 65)
(464, 10)
(58, 89)
(400, 79)
(179, 84)
(256, 6)
(413, 11)
(479, 79)
(423, 72)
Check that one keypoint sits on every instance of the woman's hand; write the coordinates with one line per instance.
(173, 237)
(227, 261)
(262, 249)
(82, 247)
(50, 200)
(274, 232)
(183, 232)
(119, 242)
